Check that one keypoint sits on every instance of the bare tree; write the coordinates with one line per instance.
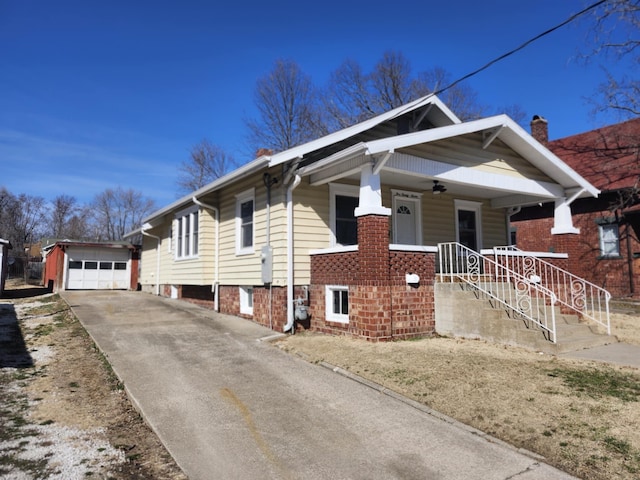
(118, 211)
(287, 103)
(206, 163)
(62, 208)
(615, 37)
(24, 219)
(352, 96)
(391, 81)
(460, 98)
(347, 98)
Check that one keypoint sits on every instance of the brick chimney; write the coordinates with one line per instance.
(263, 151)
(540, 129)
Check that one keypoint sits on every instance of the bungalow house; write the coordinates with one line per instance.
(352, 232)
(604, 248)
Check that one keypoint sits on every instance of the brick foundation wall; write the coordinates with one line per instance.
(381, 304)
(413, 310)
(229, 300)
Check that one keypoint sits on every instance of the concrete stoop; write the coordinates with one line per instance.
(459, 312)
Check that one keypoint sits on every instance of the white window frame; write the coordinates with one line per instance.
(469, 206)
(336, 189)
(601, 231)
(246, 300)
(416, 199)
(330, 315)
(247, 195)
(187, 239)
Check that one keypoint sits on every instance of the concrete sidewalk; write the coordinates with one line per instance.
(229, 406)
(616, 353)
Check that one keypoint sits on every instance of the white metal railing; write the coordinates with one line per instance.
(525, 298)
(575, 293)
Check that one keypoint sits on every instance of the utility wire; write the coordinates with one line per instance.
(537, 37)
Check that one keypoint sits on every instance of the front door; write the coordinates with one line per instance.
(406, 217)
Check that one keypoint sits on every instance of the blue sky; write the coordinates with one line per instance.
(95, 95)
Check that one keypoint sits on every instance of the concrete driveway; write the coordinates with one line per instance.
(229, 406)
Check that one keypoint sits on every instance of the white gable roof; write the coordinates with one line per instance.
(506, 130)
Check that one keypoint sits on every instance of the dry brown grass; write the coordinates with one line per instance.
(556, 407)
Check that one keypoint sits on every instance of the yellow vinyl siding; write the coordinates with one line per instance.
(466, 151)
(242, 269)
(193, 271)
(311, 226)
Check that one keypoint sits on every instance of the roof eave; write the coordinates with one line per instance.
(217, 184)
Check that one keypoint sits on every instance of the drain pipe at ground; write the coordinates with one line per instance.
(290, 306)
(216, 255)
(157, 256)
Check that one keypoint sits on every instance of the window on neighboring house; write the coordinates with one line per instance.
(337, 303)
(245, 207)
(246, 300)
(609, 239)
(344, 224)
(187, 233)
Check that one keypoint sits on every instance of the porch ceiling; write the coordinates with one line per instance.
(410, 172)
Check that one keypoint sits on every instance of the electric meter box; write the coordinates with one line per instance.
(266, 259)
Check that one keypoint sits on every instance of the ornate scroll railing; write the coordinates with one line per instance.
(575, 293)
(523, 297)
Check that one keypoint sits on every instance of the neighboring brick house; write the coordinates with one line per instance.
(605, 248)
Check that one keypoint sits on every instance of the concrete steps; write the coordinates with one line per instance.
(460, 311)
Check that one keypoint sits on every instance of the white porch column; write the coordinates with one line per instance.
(370, 202)
(562, 220)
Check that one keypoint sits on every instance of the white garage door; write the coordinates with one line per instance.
(98, 269)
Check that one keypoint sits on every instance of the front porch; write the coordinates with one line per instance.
(381, 291)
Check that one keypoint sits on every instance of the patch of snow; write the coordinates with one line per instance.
(70, 453)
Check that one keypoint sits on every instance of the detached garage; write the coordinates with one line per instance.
(91, 266)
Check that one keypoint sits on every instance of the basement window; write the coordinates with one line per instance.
(246, 300)
(337, 303)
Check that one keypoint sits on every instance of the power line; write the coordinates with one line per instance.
(517, 49)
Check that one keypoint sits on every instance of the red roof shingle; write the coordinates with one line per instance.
(608, 157)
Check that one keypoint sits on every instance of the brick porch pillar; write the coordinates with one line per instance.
(370, 296)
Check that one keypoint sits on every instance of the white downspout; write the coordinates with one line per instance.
(157, 257)
(216, 254)
(290, 307)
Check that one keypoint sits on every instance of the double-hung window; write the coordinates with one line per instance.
(609, 234)
(187, 232)
(245, 208)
